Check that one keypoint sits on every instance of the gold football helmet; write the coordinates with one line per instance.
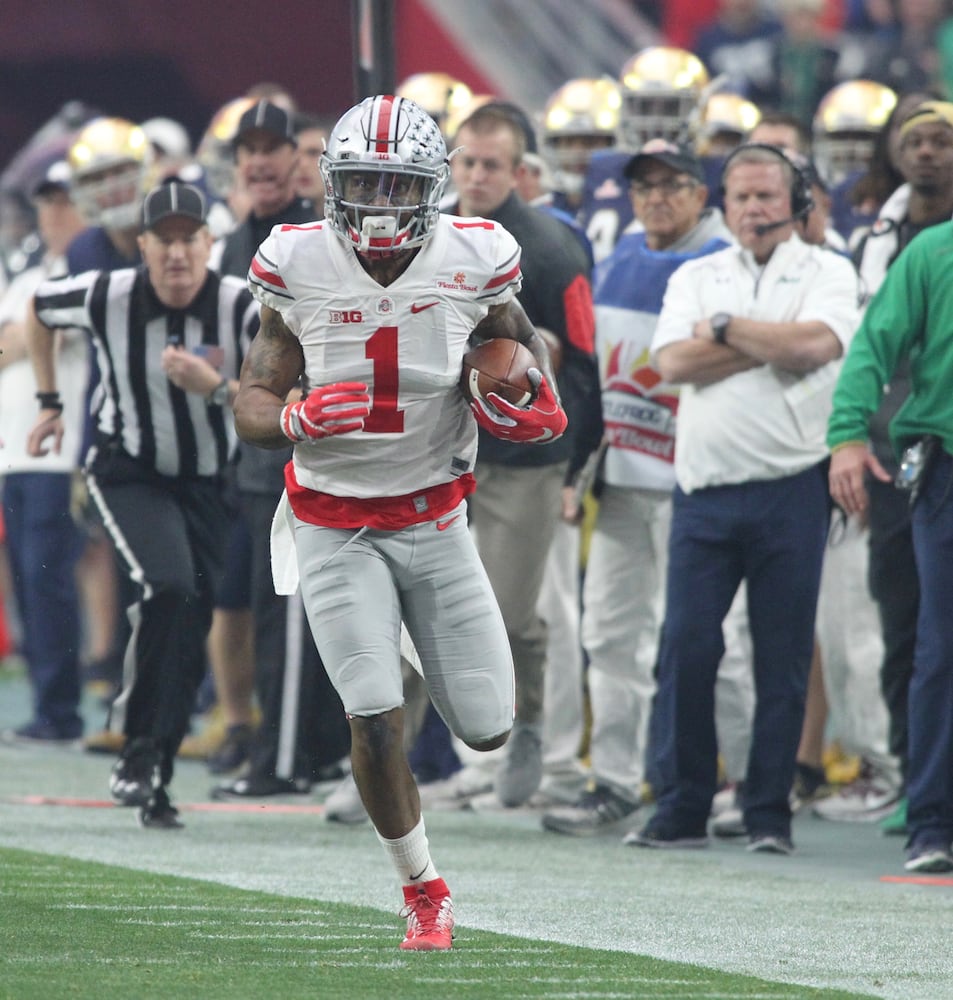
(661, 89)
(110, 160)
(846, 122)
(459, 115)
(579, 118)
(439, 94)
(725, 121)
(215, 154)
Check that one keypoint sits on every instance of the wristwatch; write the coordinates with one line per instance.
(719, 325)
(219, 395)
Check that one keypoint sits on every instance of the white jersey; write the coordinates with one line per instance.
(18, 405)
(406, 341)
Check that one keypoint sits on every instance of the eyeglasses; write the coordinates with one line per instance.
(667, 188)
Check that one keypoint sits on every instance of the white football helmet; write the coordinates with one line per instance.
(384, 170)
(110, 162)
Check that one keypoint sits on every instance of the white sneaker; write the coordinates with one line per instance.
(868, 799)
(724, 799)
(730, 823)
(458, 790)
(728, 818)
(344, 804)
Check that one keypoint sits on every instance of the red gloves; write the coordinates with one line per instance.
(543, 420)
(326, 410)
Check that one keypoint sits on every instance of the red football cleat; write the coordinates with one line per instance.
(429, 912)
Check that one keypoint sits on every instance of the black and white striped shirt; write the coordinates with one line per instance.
(164, 428)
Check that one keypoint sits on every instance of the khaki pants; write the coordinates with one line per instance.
(514, 514)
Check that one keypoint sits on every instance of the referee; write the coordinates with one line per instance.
(169, 337)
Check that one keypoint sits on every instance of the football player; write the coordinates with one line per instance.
(582, 116)
(845, 127)
(110, 162)
(662, 90)
(725, 121)
(374, 307)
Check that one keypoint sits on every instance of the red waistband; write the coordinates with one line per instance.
(383, 513)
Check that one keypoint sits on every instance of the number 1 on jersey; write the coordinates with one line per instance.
(381, 348)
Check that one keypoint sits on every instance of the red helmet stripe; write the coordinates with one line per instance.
(385, 116)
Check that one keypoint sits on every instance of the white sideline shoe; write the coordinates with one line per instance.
(344, 804)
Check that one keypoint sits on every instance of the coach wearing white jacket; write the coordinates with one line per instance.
(753, 333)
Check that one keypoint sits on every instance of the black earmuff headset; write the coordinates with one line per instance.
(802, 201)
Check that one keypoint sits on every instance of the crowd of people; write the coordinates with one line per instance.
(237, 468)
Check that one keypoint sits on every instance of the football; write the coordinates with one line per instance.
(499, 365)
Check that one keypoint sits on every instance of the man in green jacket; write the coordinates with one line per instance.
(911, 317)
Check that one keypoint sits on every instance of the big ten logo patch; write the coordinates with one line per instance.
(338, 316)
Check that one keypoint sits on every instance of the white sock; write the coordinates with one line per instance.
(410, 855)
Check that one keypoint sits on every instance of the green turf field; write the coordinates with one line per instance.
(86, 930)
(271, 901)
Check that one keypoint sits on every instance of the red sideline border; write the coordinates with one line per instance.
(917, 879)
(273, 808)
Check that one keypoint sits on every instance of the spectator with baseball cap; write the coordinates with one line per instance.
(622, 609)
(43, 540)
(303, 729)
(266, 158)
(266, 162)
(672, 154)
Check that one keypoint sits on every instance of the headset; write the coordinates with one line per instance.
(802, 200)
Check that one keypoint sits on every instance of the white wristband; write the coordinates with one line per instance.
(291, 423)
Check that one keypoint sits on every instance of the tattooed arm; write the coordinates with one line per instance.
(271, 370)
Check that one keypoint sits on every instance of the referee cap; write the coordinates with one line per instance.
(173, 198)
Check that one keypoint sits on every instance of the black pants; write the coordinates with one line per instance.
(303, 726)
(893, 583)
(892, 579)
(169, 536)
